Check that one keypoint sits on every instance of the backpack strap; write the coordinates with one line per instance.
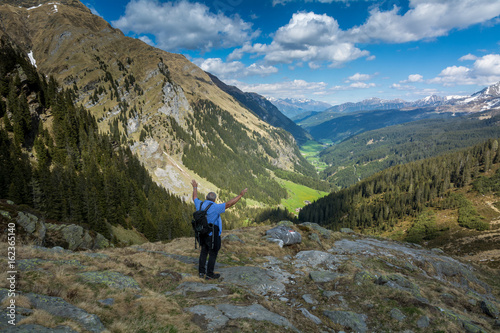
(208, 206)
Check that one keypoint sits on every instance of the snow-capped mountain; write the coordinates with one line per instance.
(488, 98)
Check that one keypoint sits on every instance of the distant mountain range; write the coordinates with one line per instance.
(342, 121)
(292, 107)
(488, 98)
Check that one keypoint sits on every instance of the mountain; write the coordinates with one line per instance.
(342, 121)
(264, 109)
(166, 109)
(292, 107)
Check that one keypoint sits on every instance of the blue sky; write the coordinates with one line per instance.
(334, 51)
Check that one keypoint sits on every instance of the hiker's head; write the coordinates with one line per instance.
(211, 196)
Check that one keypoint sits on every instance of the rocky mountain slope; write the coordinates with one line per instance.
(146, 94)
(265, 110)
(325, 282)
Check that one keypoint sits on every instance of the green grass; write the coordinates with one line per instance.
(310, 150)
(298, 194)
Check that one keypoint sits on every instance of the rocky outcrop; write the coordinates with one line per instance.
(68, 236)
(349, 283)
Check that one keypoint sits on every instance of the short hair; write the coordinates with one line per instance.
(211, 196)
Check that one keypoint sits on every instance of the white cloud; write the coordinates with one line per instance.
(485, 71)
(318, 39)
(359, 77)
(362, 85)
(425, 19)
(295, 88)
(184, 25)
(308, 37)
(412, 78)
(468, 57)
(147, 40)
(233, 69)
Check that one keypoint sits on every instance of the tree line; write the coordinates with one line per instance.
(403, 190)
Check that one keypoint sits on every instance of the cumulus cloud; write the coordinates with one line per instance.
(412, 78)
(184, 25)
(424, 20)
(485, 71)
(308, 37)
(233, 69)
(318, 39)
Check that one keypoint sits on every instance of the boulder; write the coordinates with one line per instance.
(286, 234)
(33, 226)
(353, 320)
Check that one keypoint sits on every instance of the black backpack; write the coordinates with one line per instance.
(200, 223)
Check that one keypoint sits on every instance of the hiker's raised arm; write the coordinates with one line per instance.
(234, 200)
(195, 189)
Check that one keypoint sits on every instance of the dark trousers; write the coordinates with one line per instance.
(211, 252)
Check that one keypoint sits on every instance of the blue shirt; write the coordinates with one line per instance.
(213, 213)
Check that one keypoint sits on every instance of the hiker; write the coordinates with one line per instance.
(210, 245)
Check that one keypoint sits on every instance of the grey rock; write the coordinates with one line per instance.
(346, 230)
(324, 276)
(423, 322)
(397, 314)
(5, 214)
(255, 312)
(354, 321)
(285, 234)
(309, 299)
(34, 328)
(107, 301)
(111, 279)
(216, 319)
(314, 258)
(197, 287)
(489, 308)
(255, 278)
(310, 316)
(59, 307)
(232, 238)
(315, 238)
(32, 225)
(322, 231)
(286, 223)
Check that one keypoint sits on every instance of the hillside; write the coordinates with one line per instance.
(363, 155)
(55, 160)
(157, 103)
(330, 281)
(449, 201)
(336, 127)
(265, 110)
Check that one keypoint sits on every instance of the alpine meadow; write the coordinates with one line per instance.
(363, 214)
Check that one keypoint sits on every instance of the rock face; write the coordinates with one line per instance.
(72, 236)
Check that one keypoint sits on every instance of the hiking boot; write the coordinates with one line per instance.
(202, 275)
(212, 277)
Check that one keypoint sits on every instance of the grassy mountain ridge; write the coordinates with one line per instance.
(336, 127)
(144, 97)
